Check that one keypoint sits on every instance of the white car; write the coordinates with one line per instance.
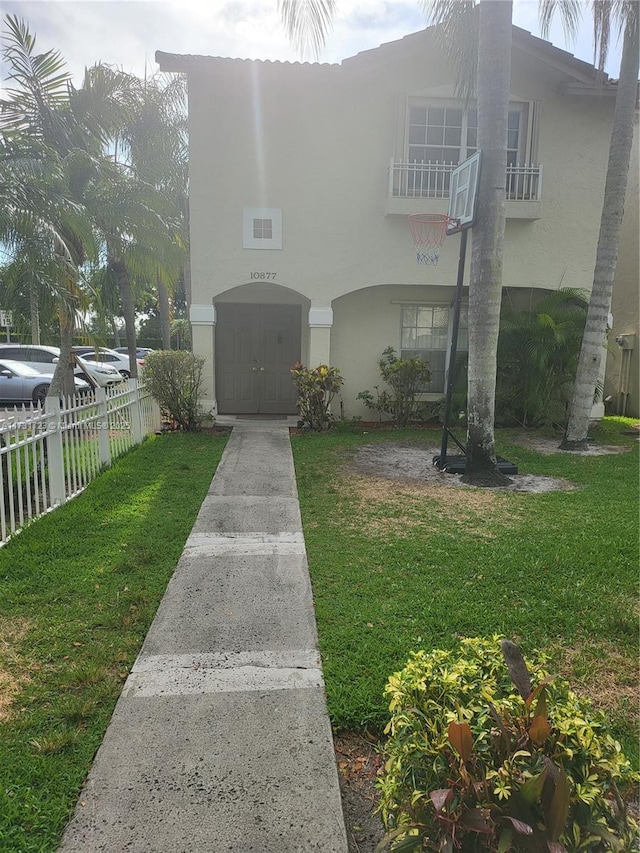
(44, 359)
(103, 355)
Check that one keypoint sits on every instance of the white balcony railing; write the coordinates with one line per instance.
(432, 180)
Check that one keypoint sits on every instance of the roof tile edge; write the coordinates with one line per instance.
(184, 62)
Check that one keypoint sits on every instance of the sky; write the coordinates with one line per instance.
(126, 33)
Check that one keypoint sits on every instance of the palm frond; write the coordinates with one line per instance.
(457, 31)
(602, 10)
(570, 12)
(307, 23)
(44, 72)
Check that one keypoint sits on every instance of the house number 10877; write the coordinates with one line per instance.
(265, 276)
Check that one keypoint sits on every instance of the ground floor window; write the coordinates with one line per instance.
(426, 332)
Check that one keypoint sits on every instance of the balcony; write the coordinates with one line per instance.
(424, 188)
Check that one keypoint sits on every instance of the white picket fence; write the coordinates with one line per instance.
(49, 455)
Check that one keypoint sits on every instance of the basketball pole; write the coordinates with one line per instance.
(453, 352)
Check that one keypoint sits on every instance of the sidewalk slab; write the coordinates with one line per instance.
(234, 603)
(188, 783)
(255, 467)
(220, 741)
(268, 513)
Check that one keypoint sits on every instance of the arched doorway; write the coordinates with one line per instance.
(256, 346)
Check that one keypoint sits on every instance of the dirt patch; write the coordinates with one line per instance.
(359, 764)
(11, 632)
(216, 430)
(401, 461)
(398, 506)
(549, 446)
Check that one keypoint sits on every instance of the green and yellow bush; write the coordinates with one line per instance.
(406, 378)
(487, 753)
(316, 389)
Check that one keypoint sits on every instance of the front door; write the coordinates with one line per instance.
(256, 346)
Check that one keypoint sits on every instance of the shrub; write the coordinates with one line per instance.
(538, 352)
(174, 378)
(488, 754)
(316, 389)
(405, 377)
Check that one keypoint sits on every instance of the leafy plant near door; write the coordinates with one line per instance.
(487, 753)
(316, 389)
(405, 377)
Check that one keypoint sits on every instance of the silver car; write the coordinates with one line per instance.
(44, 359)
(20, 384)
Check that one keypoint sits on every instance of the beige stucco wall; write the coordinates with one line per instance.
(315, 141)
(365, 323)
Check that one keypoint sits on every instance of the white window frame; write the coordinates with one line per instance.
(407, 352)
(249, 214)
(526, 139)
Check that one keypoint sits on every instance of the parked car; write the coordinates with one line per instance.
(141, 352)
(44, 359)
(103, 355)
(21, 384)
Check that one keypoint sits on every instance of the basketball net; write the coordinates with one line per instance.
(428, 230)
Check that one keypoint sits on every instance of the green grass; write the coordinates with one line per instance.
(396, 567)
(78, 591)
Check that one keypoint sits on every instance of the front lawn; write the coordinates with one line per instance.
(397, 566)
(78, 591)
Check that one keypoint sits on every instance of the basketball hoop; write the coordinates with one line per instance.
(428, 231)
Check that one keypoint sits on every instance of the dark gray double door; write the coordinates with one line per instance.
(256, 346)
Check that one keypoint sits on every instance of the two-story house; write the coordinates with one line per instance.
(302, 178)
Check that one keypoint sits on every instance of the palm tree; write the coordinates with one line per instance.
(137, 241)
(30, 282)
(485, 284)
(48, 219)
(307, 24)
(27, 226)
(537, 357)
(107, 207)
(626, 13)
(156, 142)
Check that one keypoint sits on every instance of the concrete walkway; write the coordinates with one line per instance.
(220, 740)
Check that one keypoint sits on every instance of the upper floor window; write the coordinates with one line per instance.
(440, 135)
(448, 134)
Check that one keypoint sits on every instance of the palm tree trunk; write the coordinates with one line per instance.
(63, 382)
(34, 310)
(485, 288)
(123, 278)
(163, 313)
(594, 339)
(116, 332)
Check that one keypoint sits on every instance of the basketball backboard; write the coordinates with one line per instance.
(463, 192)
